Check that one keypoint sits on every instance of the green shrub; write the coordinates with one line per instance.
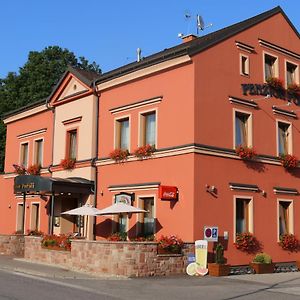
(219, 255)
(262, 258)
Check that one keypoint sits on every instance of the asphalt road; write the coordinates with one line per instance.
(19, 285)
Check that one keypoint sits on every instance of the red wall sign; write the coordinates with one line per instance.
(168, 192)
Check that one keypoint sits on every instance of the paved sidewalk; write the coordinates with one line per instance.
(20, 265)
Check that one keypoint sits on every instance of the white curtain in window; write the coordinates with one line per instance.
(282, 141)
(240, 130)
(24, 161)
(289, 77)
(73, 144)
(282, 220)
(124, 134)
(150, 128)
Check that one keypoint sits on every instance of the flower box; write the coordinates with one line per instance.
(288, 161)
(119, 155)
(245, 152)
(294, 89)
(144, 151)
(275, 83)
(246, 242)
(34, 169)
(260, 268)
(68, 163)
(168, 251)
(169, 245)
(217, 270)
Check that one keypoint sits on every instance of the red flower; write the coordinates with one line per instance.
(289, 242)
(275, 83)
(67, 163)
(170, 242)
(119, 155)
(245, 152)
(34, 169)
(144, 151)
(247, 242)
(288, 161)
(294, 88)
(19, 169)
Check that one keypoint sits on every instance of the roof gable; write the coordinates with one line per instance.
(72, 85)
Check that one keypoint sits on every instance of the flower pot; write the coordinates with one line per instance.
(218, 269)
(262, 268)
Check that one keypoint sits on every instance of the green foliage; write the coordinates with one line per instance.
(262, 258)
(219, 255)
(35, 81)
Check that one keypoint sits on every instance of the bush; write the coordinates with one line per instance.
(262, 258)
(118, 236)
(219, 255)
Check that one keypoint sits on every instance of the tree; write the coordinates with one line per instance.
(36, 80)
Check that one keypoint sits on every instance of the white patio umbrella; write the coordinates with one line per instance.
(120, 208)
(85, 210)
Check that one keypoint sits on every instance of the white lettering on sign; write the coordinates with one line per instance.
(169, 194)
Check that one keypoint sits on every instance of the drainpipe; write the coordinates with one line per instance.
(94, 160)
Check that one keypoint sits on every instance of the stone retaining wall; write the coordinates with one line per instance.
(132, 259)
(12, 245)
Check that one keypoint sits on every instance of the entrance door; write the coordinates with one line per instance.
(69, 223)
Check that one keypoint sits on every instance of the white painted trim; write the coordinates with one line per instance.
(34, 150)
(134, 188)
(136, 105)
(250, 214)
(20, 152)
(120, 118)
(144, 72)
(244, 47)
(278, 49)
(276, 65)
(25, 114)
(36, 132)
(154, 196)
(290, 136)
(39, 220)
(249, 127)
(140, 116)
(247, 65)
(290, 216)
(286, 61)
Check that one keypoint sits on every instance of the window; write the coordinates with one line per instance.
(20, 213)
(243, 215)
(38, 152)
(122, 134)
(35, 216)
(120, 223)
(244, 65)
(24, 155)
(271, 66)
(72, 144)
(285, 217)
(148, 129)
(284, 138)
(242, 129)
(147, 220)
(291, 73)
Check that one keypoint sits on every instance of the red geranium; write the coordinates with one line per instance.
(288, 161)
(34, 169)
(68, 163)
(172, 243)
(289, 242)
(119, 155)
(144, 151)
(245, 152)
(247, 242)
(275, 83)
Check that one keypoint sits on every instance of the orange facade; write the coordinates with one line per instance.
(195, 104)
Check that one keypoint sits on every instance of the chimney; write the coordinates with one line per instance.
(188, 38)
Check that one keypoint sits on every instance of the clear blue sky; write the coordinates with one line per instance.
(109, 31)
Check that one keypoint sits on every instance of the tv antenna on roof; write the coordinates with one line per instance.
(201, 25)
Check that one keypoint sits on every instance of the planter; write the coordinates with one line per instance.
(262, 268)
(218, 269)
(166, 251)
(298, 264)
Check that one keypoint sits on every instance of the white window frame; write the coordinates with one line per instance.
(34, 150)
(138, 217)
(290, 136)
(19, 204)
(290, 216)
(20, 153)
(276, 65)
(118, 119)
(247, 65)
(286, 61)
(39, 220)
(249, 127)
(250, 214)
(141, 115)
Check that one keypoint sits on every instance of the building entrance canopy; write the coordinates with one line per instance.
(32, 184)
